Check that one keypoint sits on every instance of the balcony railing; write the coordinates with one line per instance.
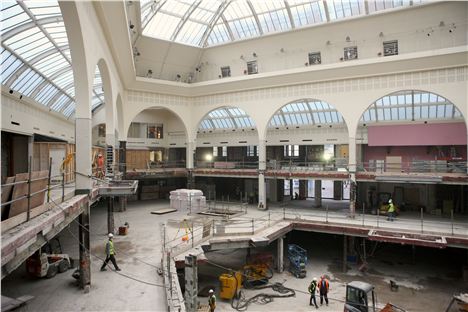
(416, 166)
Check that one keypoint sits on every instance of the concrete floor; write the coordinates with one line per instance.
(425, 286)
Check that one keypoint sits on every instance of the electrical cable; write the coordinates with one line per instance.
(123, 253)
(117, 272)
(265, 299)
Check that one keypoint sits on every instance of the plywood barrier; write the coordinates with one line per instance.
(41, 158)
(39, 183)
(137, 159)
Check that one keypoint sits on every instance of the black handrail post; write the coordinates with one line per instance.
(48, 180)
(29, 189)
(63, 183)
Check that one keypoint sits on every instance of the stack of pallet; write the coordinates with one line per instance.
(189, 200)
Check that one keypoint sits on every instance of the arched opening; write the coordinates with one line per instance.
(413, 142)
(227, 139)
(156, 138)
(306, 138)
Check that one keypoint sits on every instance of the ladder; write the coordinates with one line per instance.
(109, 161)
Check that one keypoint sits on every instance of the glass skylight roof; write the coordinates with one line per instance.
(410, 105)
(306, 112)
(210, 22)
(226, 118)
(36, 59)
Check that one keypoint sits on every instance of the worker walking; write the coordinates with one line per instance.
(312, 290)
(212, 300)
(391, 210)
(110, 253)
(324, 286)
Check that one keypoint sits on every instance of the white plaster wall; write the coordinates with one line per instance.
(33, 118)
(171, 59)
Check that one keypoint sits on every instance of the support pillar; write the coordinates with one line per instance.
(291, 189)
(302, 188)
(345, 254)
(280, 255)
(190, 153)
(123, 158)
(261, 190)
(352, 165)
(83, 155)
(191, 283)
(123, 203)
(85, 260)
(318, 193)
(110, 215)
(261, 174)
(337, 190)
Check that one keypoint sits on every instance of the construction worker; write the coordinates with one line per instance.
(391, 210)
(324, 286)
(110, 253)
(100, 167)
(212, 300)
(312, 290)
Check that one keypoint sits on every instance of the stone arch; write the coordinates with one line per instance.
(206, 112)
(435, 91)
(126, 126)
(109, 105)
(307, 106)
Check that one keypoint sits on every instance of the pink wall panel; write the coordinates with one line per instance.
(418, 134)
(410, 153)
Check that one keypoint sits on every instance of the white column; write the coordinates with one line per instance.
(190, 151)
(280, 255)
(261, 174)
(83, 153)
(352, 165)
(318, 193)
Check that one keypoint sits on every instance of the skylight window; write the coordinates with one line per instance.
(209, 22)
(410, 105)
(306, 112)
(227, 118)
(36, 59)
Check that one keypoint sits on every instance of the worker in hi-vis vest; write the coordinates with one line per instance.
(110, 253)
(391, 210)
(212, 300)
(324, 286)
(312, 290)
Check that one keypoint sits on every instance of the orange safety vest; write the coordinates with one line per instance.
(323, 285)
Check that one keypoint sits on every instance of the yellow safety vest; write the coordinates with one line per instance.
(111, 247)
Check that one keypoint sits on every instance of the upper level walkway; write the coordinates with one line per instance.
(415, 172)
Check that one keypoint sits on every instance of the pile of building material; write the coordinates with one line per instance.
(190, 200)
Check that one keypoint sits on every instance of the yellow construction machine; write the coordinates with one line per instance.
(251, 275)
